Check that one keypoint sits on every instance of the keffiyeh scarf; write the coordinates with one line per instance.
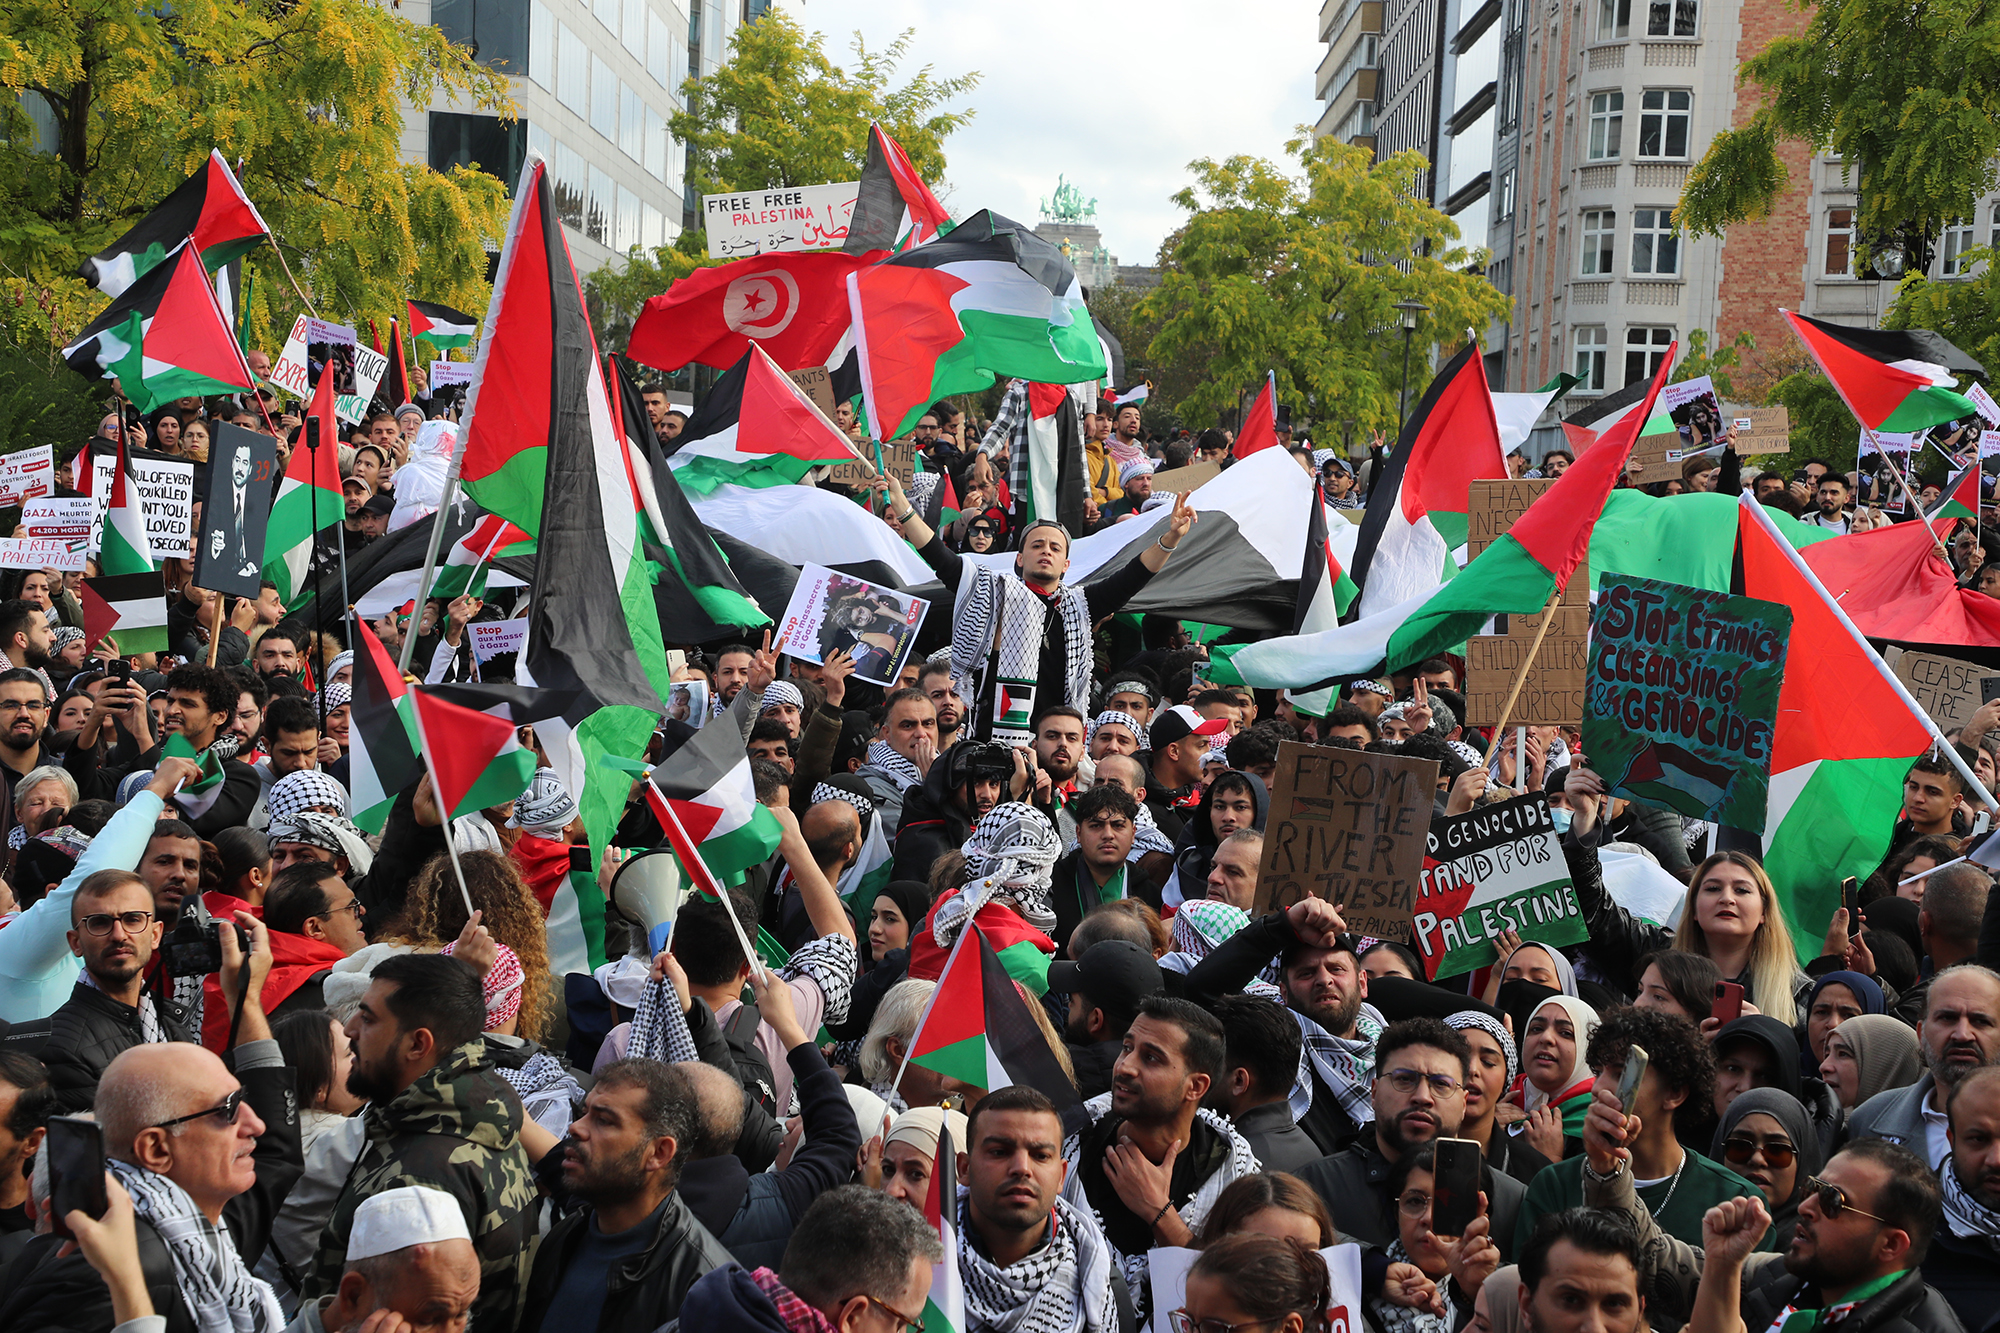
(1345, 1064)
(826, 791)
(1125, 720)
(1199, 926)
(327, 832)
(830, 962)
(546, 1090)
(1063, 1287)
(219, 1291)
(1492, 1027)
(1011, 854)
(893, 766)
(998, 614)
(150, 1030)
(303, 790)
(659, 1027)
(782, 692)
(1402, 1319)
(1965, 1215)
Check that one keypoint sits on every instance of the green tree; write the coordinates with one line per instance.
(1964, 310)
(305, 98)
(1299, 274)
(781, 111)
(1907, 93)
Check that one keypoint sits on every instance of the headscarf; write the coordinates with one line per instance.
(1010, 854)
(1867, 993)
(66, 635)
(344, 658)
(1137, 467)
(1886, 1054)
(502, 986)
(919, 1128)
(1200, 927)
(1584, 1019)
(1790, 1113)
(302, 791)
(1775, 1037)
(782, 692)
(1565, 974)
(546, 808)
(1366, 686)
(1125, 720)
(827, 791)
(1493, 1027)
(1897, 916)
(337, 696)
(327, 832)
(912, 898)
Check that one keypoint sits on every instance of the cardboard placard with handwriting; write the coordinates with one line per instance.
(1947, 688)
(818, 386)
(1760, 430)
(900, 459)
(1181, 480)
(1492, 506)
(1351, 828)
(1552, 694)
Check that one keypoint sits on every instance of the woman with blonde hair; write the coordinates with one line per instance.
(509, 912)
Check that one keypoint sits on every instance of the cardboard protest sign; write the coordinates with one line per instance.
(1683, 696)
(316, 347)
(1348, 827)
(65, 518)
(166, 498)
(1492, 507)
(1946, 688)
(27, 474)
(1494, 868)
(492, 638)
(790, 219)
(1552, 694)
(817, 385)
(1759, 430)
(40, 553)
(1167, 1273)
(1989, 411)
(235, 508)
(900, 459)
(830, 611)
(1181, 480)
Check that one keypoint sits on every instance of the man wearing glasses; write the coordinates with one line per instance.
(1677, 1185)
(24, 713)
(1863, 1230)
(1418, 1095)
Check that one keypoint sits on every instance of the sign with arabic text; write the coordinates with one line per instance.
(768, 222)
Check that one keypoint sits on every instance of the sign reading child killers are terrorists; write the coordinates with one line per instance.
(1683, 697)
(1494, 868)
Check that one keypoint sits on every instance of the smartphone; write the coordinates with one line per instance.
(1728, 1005)
(1455, 1186)
(1850, 898)
(76, 1169)
(121, 671)
(1628, 1082)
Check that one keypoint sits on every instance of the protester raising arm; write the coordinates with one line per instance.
(822, 899)
(1618, 940)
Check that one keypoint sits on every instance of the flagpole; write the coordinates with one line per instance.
(430, 776)
(484, 555)
(666, 809)
(445, 503)
(1916, 505)
(1521, 678)
(931, 1004)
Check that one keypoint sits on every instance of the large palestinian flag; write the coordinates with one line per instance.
(1324, 592)
(382, 740)
(127, 580)
(1417, 511)
(309, 501)
(977, 1028)
(1891, 379)
(991, 299)
(1894, 584)
(707, 784)
(794, 306)
(891, 188)
(164, 337)
(755, 428)
(208, 208)
(1260, 424)
(1048, 464)
(1846, 736)
(440, 325)
(1599, 416)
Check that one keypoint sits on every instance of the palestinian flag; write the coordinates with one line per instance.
(944, 1307)
(208, 208)
(164, 337)
(1960, 499)
(128, 580)
(1325, 592)
(755, 428)
(891, 187)
(1517, 413)
(309, 500)
(464, 568)
(1599, 416)
(992, 299)
(476, 759)
(1050, 438)
(196, 798)
(1890, 379)
(863, 882)
(561, 878)
(1674, 778)
(977, 1028)
(707, 784)
(1846, 736)
(1260, 426)
(694, 588)
(1137, 394)
(1416, 513)
(381, 733)
(396, 384)
(440, 325)
(794, 306)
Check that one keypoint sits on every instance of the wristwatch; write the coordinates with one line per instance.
(1597, 1175)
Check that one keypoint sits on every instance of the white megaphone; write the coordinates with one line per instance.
(649, 890)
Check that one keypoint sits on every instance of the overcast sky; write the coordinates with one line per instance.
(1118, 98)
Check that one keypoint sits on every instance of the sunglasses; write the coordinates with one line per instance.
(1777, 1154)
(226, 1112)
(1833, 1201)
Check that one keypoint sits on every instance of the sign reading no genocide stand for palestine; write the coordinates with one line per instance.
(1494, 868)
(1683, 695)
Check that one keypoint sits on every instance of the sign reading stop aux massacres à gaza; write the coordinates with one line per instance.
(1683, 697)
(1494, 868)
(785, 220)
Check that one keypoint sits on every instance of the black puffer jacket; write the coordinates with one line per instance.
(89, 1032)
(646, 1290)
(935, 820)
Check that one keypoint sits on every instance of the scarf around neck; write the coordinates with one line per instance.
(1063, 1287)
(893, 766)
(1401, 1319)
(1002, 622)
(1345, 1064)
(219, 1291)
(1965, 1215)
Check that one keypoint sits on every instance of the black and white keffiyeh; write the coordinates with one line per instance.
(998, 614)
(893, 766)
(1011, 854)
(150, 1030)
(782, 692)
(1063, 1287)
(1125, 720)
(220, 1292)
(329, 833)
(1492, 1027)
(659, 1027)
(1402, 1319)
(826, 791)
(830, 962)
(1344, 1064)
(306, 789)
(547, 1090)
(1965, 1215)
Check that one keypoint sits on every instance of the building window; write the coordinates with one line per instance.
(627, 234)
(634, 28)
(656, 48)
(1959, 236)
(1500, 272)
(478, 141)
(607, 14)
(497, 34)
(655, 145)
(1656, 244)
(1839, 243)
(1600, 237)
(631, 122)
(542, 45)
(572, 71)
(1614, 19)
(600, 208)
(1607, 125)
(1592, 347)
(1994, 238)
(1644, 350)
(1504, 196)
(603, 99)
(1671, 18)
(572, 179)
(1663, 122)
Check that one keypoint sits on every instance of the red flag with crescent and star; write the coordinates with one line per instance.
(794, 306)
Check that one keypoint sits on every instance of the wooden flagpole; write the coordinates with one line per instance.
(1521, 678)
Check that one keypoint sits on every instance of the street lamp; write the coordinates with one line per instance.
(1411, 310)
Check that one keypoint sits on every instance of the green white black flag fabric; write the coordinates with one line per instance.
(163, 338)
(127, 579)
(208, 208)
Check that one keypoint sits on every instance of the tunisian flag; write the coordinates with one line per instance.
(794, 306)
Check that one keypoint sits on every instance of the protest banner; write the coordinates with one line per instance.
(1552, 695)
(369, 367)
(65, 518)
(290, 372)
(235, 509)
(1695, 411)
(315, 346)
(830, 611)
(1492, 506)
(817, 385)
(1181, 480)
(1649, 461)
(444, 374)
(1759, 430)
(1948, 689)
(1494, 868)
(491, 638)
(40, 553)
(1989, 411)
(166, 494)
(900, 459)
(27, 474)
(1349, 827)
(788, 220)
(1683, 697)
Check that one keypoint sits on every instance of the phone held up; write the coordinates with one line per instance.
(1455, 1185)
(76, 1170)
(1728, 1006)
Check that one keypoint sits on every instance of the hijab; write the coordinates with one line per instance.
(1584, 1019)
(1867, 993)
(1790, 1113)
(1565, 974)
(912, 899)
(1885, 1053)
(1776, 1038)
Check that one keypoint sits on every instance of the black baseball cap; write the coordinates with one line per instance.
(1109, 970)
(380, 504)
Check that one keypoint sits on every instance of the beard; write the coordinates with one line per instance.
(1337, 1018)
(1393, 1137)
(369, 1083)
(611, 1180)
